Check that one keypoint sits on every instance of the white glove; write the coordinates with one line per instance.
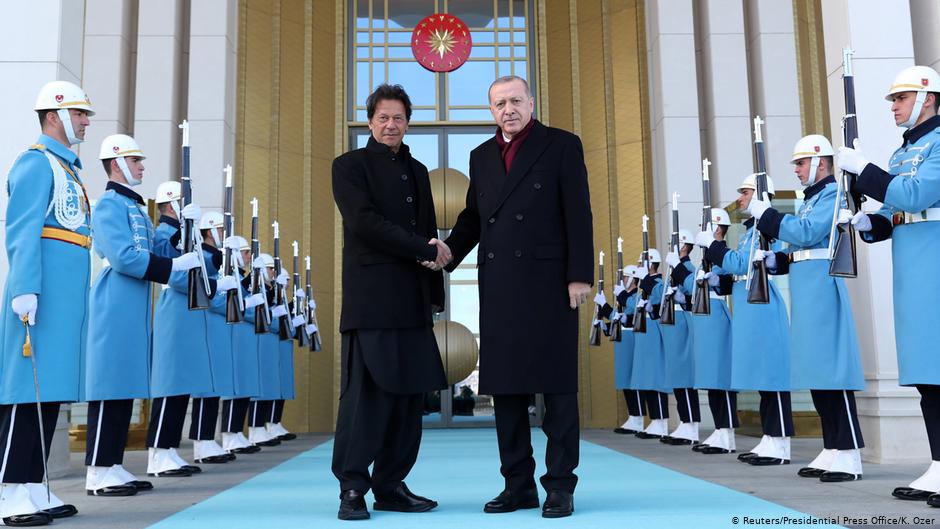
(600, 299)
(282, 278)
(844, 216)
(258, 263)
(312, 304)
(670, 291)
(852, 160)
(191, 212)
(757, 207)
(619, 289)
(640, 303)
(641, 273)
(704, 239)
(311, 328)
(299, 293)
(231, 243)
(298, 320)
(861, 221)
(769, 258)
(187, 261)
(713, 279)
(672, 259)
(679, 297)
(699, 275)
(226, 283)
(254, 300)
(648, 307)
(25, 305)
(279, 311)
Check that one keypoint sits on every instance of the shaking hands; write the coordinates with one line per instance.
(444, 256)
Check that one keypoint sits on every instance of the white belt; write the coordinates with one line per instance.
(927, 215)
(809, 255)
(716, 296)
(679, 308)
(740, 278)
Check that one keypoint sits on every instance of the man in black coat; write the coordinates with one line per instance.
(529, 209)
(389, 354)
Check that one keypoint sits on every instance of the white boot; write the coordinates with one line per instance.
(204, 450)
(711, 439)
(723, 438)
(778, 447)
(276, 429)
(97, 479)
(658, 427)
(15, 499)
(824, 460)
(258, 434)
(160, 460)
(634, 422)
(686, 430)
(762, 446)
(122, 473)
(37, 493)
(930, 480)
(240, 438)
(848, 461)
(178, 458)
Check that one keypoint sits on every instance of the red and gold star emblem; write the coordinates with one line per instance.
(441, 42)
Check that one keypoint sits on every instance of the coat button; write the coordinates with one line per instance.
(492, 220)
(414, 222)
(519, 216)
(404, 177)
(481, 193)
(518, 253)
(537, 185)
(393, 158)
(490, 255)
(409, 200)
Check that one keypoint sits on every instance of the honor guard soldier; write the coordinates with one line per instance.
(117, 366)
(180, 362)
(649, 362)
(623, 356)
(285, 375)
(824, 354)
(910, 192)
(767, 368)
(712, 338)
(262, 406)
(245, 360)
(205, 408)
(44, 310)
(677, 344)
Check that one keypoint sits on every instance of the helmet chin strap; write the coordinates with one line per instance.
(67, 125)
(813, 167)
(215, 237)
(915, 111)
(175, 206)
(122, 163)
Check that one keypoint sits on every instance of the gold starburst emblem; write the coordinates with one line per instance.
(441, 41)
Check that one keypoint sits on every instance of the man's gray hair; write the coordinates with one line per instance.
(509, 79)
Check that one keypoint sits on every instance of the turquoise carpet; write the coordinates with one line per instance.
(460, 469)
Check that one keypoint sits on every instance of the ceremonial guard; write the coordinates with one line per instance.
(677, 345)
(649, 358)
(824, 354)
(910, 192)
(205, 406)
(285, 373)
(712, 336)
(262, 406)
(765, 368)
(117, 368)
(45, 310)
(623, 356)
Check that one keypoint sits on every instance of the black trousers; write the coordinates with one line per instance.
(724, 407)
(234, 412)
(204, 415)
(261, 412)
(836, 409)
(657, 404)
(374, 427)
(20, 449)
(930, 406)
(635, 404)
(687, 404)
(278, 411)
(167, 415)
(106, 435)
(513, 434)
(776, 414)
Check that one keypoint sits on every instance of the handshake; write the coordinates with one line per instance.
(444, 256)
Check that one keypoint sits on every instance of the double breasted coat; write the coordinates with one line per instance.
(535, 236)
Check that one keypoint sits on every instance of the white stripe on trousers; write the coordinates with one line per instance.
(783, 428)
(6, 452)
(728, 402)
(848, 414)
(231, 405)
(688, 404)
(639, 402)
(156, 438)
(94, 457)
(199, 426)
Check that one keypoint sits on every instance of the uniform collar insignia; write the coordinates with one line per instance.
(124, 191)
(918, 132)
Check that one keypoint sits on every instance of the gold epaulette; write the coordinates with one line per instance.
(38, 147)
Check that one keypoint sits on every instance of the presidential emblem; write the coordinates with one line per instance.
(441, 42)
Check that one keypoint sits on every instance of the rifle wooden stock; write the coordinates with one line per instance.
(843, 259)
(758, 287)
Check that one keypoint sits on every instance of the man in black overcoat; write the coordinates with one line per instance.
(529, 209)
(389, 354)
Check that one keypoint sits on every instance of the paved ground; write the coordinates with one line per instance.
(864, 500)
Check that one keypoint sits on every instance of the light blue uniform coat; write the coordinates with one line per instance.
(677, 344)
(269, 361)
(711, 341)
(118, 357)
(824, 350)
(245, 352)
(623, 350)
(286, 349)
(760, 343)
(57, 272)
(220, 336)
(649, 362)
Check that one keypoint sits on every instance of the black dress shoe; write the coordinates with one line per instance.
(28, 520)
(140, 485)
(934, 500)
(644, 435)
(287, 437)
(62, 511)
(836, 477)
(712, 450)
(213, 460)
(230, 456)
(624, 431)
(269, 442)
(253, 449)
(698, 447)
(400, 499)
(558, 504)
(172, 473)
(509, 502)
(810, 472)
(744, 456)
(117, 490)
(352, 506)
(193, 469)
(908, 493)
(766, 461)
(676, 441)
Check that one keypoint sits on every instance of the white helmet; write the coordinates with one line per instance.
(686, 237)
(212, 220)
(242, 243)
(720, 217)
(813, 146)
(630, 271)
(750, 182)
(654, 256)
(920, 79)
(168, 192)
(267, 260)
(119, 146)
(61, 96)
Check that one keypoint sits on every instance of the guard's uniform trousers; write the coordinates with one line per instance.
(623, 366)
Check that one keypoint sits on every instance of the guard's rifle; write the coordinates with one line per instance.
(616, 329)
(701, 297)
(314, 330)
(639, 313)
(843, 260)
(667, 304)
(283, 322)
(597, 322)
(758, 286)
(300, 331)
(234, 302)
(262, 312)
(198, 289)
